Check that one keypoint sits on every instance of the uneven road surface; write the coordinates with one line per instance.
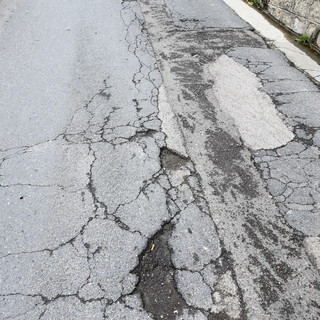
(157, 161)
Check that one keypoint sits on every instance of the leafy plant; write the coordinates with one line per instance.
(254, 3)
(303, 39)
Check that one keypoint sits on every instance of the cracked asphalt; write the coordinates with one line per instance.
(158, 160)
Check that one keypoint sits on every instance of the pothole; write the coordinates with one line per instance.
(156, 273)
(172, 161)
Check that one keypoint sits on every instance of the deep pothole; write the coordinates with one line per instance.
(156, 273)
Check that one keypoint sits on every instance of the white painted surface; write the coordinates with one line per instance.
(253, 112)
(268, 31)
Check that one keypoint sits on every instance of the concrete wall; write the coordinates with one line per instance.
(300, 16)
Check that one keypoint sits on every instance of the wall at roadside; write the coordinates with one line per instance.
(300, 16)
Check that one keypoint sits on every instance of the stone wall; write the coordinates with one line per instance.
(300, 16)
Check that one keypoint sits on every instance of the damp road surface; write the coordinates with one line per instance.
(157, 161)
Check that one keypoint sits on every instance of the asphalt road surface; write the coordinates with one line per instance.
(157, 161)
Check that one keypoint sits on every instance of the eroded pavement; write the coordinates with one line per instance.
(172, 172)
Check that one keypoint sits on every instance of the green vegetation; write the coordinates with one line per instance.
(254, 3)
(303, 39)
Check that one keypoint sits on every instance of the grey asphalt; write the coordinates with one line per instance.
(131, 187)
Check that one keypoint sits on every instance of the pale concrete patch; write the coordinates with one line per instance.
(268, 31)
(255, 115)
(170, 124)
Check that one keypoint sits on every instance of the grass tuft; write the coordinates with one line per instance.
(303, 39)
(254, 3)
